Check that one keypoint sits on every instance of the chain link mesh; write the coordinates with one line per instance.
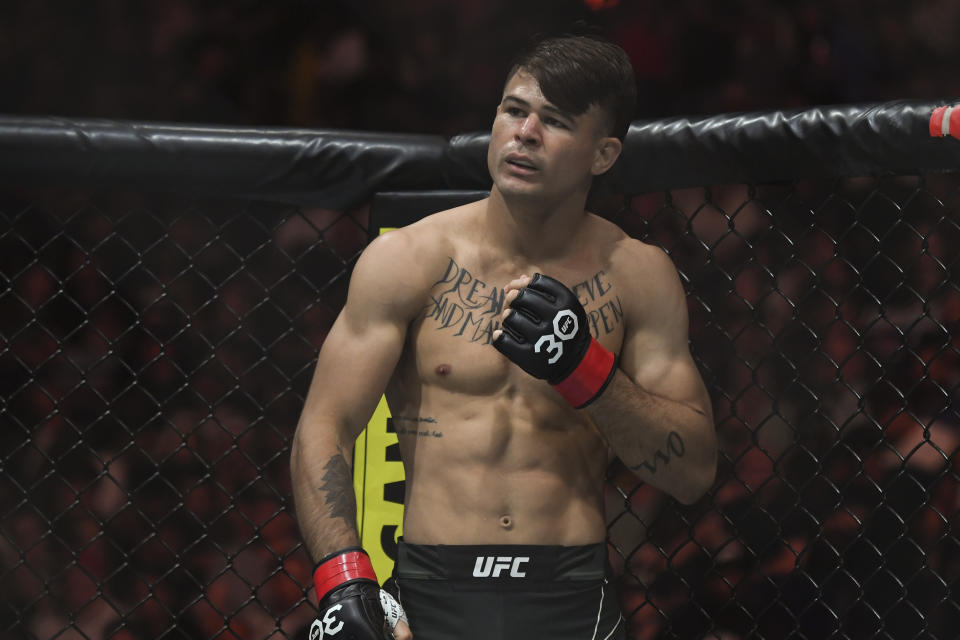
(156, 350)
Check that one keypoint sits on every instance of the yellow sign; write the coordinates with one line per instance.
(378, 482)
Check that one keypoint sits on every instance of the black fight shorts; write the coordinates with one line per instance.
(508, 592)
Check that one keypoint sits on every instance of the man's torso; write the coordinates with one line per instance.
(492, 455)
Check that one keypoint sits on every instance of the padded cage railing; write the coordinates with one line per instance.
(166, 288)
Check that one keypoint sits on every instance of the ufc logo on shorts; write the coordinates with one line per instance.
(492, 567)
(564, 327)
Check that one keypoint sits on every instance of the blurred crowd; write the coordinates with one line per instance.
(155, 351)
(435, 66)
(153, 366)
(826, 323)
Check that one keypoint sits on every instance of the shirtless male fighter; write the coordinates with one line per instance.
(504, 527)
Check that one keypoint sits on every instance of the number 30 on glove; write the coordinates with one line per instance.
(547, 336)
(352, 604)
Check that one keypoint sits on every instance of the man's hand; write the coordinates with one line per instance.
(545, 332)
(352, 604)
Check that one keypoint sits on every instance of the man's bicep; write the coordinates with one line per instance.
(656, 353)
(672, 375)
(352, 372)
(363, 347)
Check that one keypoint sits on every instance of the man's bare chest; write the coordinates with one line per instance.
(463, 309)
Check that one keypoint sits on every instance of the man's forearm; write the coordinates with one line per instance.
(326, 505)
(670, 444)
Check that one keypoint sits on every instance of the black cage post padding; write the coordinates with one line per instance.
(778, 146)
(165, 289)
(340, 169)
(334, 169)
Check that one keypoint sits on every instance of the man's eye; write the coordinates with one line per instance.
(553, 122)
(514, 111)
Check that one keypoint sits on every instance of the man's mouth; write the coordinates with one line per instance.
(521, 162)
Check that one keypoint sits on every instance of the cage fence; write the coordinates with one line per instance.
(155, 349)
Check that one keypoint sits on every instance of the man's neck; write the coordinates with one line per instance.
(534, 230)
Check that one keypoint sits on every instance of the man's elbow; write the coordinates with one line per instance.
(296, 445)
(700, 483)
(691, 496)
(704, 472)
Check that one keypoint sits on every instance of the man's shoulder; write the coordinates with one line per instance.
(450, 223)
(437, 231)
(421, 247)
(624, 250)
(627, 257)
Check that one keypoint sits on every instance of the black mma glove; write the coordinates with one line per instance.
(352, 604)
(547, 336)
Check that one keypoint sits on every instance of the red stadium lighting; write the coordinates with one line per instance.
(600, 5)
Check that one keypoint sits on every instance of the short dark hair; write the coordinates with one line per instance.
(577, 71)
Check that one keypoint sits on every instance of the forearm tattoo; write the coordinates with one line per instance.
(675, 448)
(338, 490)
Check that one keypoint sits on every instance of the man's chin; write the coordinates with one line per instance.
(518, 188)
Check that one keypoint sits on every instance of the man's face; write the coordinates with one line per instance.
(538, 150)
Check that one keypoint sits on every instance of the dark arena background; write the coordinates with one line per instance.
(166, 287)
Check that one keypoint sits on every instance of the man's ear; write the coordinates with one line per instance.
(607, 152)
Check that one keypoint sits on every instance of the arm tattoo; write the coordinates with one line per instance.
(675, 449)
(338, 487)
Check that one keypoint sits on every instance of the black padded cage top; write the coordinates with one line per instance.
(342, 169)
(166, 288)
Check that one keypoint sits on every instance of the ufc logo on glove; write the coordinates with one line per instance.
(546, 335)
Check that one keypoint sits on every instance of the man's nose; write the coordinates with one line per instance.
(529, 131)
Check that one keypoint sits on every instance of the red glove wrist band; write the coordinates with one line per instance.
(351, 565)
(590, 377)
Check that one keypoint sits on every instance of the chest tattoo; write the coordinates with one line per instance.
(603, 306)
(469, 308)
(464, 305)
